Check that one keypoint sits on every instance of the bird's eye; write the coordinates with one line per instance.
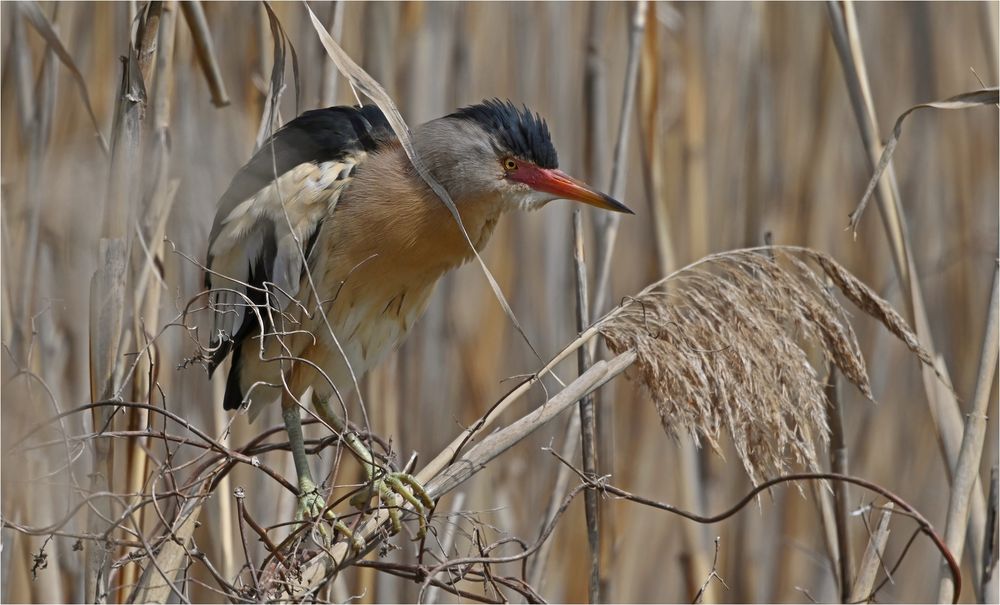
(509, 165)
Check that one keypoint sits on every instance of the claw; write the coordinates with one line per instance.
(357, 542)
(417, 489)
(311, 503)
(405, 486)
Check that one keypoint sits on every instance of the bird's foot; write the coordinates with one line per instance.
(390, 487)
(312, 504)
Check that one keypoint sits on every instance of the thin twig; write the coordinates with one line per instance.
(239, 494)
(713, 574)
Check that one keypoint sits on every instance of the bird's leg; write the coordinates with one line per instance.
(311, 502)
(387, 484)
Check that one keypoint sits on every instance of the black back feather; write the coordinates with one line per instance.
(518, 131)
(317, 136)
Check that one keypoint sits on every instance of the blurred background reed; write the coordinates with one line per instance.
(743, 133)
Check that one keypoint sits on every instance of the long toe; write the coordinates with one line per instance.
(310, 506)
(409, 489)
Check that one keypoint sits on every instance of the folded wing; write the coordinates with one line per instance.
(269, 217)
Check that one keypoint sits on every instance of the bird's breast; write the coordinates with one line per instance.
(379, 255)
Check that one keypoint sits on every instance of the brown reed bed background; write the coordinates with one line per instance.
(745, 130)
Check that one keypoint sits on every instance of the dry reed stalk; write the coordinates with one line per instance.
(606, 232)
(448, 539)
(988, 591)
(588, 433)
(194, 14)
(944, 408)
(6, 564)
(33, 13)
(967, 468)
(21, 56)
(380, 25)
(871, 561)
(593, 99)
(158, 49)
(695, 133)
(477, 456)
(146, 39)
(461, 60)
(593, 92)
(108, 303)
(538, 564)
(694, 538)
(7, 322)
(827, 514)
(156, 585)
(841, 494)
(328, 86)
(651, 100)
(990, 37)
(44, 97)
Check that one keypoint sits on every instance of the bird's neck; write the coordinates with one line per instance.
(414, 221)
(401, 222)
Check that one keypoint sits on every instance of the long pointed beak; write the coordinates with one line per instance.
(566, 187)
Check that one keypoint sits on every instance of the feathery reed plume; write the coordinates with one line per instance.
(725, 344)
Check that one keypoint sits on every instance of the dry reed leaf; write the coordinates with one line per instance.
(976, 98)
(33, 13)
(276, 85)
(725, 344)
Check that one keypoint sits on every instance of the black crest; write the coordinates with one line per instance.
(519, 131)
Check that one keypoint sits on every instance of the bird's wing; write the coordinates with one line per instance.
(268, 219)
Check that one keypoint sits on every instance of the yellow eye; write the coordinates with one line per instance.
(509, 165)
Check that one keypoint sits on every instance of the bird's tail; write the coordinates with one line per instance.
(233, 398)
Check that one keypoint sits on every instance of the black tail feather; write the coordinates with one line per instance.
(219, 353)
(234, 394)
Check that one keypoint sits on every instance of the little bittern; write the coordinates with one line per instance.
(327, 245)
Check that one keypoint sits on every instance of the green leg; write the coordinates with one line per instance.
(386, 484)
(310, 502)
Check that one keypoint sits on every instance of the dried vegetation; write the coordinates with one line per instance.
(725, 343)
(725, 125)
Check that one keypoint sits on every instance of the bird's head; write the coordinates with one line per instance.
(495, 149)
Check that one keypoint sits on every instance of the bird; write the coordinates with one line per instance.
(327, 245)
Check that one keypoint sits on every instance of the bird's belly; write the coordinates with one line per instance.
(356, 335)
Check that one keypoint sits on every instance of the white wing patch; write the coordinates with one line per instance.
(286, 212)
